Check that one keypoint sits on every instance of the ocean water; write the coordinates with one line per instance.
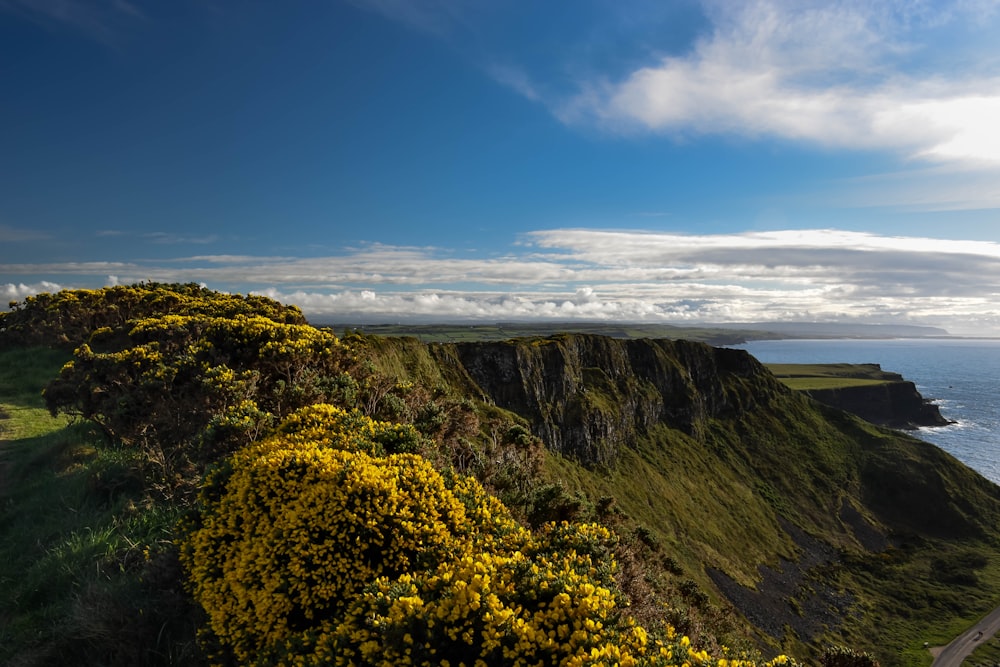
(962, 376)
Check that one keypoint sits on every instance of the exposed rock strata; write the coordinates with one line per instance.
(588, 396)
(895, 404)
(725, 454)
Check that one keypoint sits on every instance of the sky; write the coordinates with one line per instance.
(674, 161)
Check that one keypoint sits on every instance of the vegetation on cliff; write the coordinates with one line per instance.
(878, 396)
(300, 498)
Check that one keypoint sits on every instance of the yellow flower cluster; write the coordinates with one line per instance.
(276, 342)
(69, 317)
(324, 425)
(491, 608)
(314, 549)
(176, 374)
(292, 531)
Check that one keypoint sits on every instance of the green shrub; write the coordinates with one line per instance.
(69, 317)
(840, 656)
(186, 379)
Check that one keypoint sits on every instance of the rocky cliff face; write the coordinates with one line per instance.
(782, 505)
(589, 396)
(892, 404)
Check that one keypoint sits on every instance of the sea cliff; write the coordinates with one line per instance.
(892, 404)
(589, 396)
(880, 397)
(741, 479)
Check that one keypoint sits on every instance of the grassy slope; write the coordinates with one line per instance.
(718, 500)
(74, 548)
(804, 377)
(713, 509)
(72, 543)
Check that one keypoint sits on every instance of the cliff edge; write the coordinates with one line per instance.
(793, 515)
(877, 396)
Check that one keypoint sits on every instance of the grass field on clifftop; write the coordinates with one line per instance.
(74, 548)
(804, 377)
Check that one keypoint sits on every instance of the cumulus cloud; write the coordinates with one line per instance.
(562, 274)
(10, 292)
(831, 73)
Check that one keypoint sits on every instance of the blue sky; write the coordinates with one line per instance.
(437, 160)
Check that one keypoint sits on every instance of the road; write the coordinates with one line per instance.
(959, 649)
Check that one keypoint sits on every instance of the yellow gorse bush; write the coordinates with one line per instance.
(325, 544)
(293, 531)
(498, 608)
(196, 384)
(68, 317)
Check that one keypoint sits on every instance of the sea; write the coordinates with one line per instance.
(960, 375)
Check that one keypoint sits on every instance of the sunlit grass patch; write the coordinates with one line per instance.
(76, 539)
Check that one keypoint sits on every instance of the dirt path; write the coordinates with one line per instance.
(959, 649)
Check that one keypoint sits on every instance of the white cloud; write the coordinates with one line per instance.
(516, 79)
(13, 234)
(433, 16)
(804, 275)
(928, 189)
(169, 238)
(832, 74)
(969, 123)
(18, 292)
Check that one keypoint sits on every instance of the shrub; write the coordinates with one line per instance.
(841, 656)
(326, 544)
(68, 318)
(536, 605)
(177, 375)
(295, 527)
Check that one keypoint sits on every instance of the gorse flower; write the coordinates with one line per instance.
(324, 537)
(329, 542)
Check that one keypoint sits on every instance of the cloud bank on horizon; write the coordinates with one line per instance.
(870, 127)
(573, 274)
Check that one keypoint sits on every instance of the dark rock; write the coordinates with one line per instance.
(789, 597)
(895, 404)
(588, 396)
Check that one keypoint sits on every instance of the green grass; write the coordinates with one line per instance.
(695, 499)
(714, 497)
(86, 569)
(804, 377)
(87, 572)
(807, 383)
